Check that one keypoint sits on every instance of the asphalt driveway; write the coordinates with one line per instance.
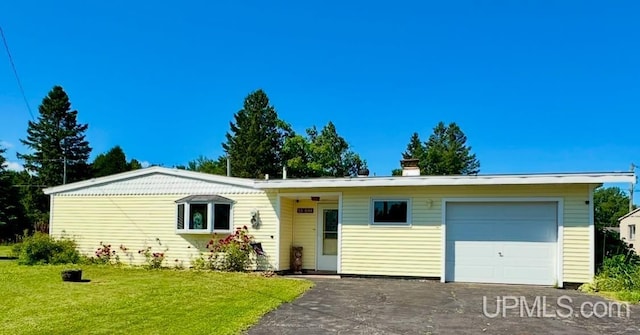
(390, 306)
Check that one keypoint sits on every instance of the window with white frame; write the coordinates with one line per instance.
(390, 211)
(204, 214)
(632, 232)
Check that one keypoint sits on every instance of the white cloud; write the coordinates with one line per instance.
(6, 145)
(14, 166)
(145, 164)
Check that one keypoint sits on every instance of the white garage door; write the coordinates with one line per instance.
(505, 242)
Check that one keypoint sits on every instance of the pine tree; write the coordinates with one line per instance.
(255, 140)
(446, 152)
(54, 138)
(415, 148)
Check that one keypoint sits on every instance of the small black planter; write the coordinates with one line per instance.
(363, 172)
(74, 275)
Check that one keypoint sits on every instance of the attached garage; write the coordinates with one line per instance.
(514, 242)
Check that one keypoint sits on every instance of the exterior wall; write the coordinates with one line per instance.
(633, 219)
(286, 233)
(304, 232)
(416, 250)
(137, 221)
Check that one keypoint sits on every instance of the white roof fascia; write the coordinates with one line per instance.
(629, 214)
(529, 179)
(241, 182)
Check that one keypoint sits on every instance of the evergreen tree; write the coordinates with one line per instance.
(112, 162)
(12, 220)
(54, 138)
(415, 149)
(255, 140)
(446, 152)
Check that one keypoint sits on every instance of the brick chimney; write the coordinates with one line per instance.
(410, 167)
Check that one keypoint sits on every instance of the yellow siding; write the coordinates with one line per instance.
(417, 250)
(286, 233)
(138, 221)
(304, 232)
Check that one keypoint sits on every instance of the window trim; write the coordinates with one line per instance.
(210, 218)
(632, 235)
(372, 202)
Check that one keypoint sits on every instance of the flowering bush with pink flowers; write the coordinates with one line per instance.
(105, 255)
(232, 253)
(153, 260)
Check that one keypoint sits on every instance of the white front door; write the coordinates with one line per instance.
(327, 242)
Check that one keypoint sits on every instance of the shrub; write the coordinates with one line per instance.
(153, 260)
(40, 248)
(617, 273)
(105, 254)
(16, 249)
(233, 253)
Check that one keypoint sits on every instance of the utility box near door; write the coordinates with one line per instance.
(296, 259)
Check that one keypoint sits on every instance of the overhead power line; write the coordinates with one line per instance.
(15, 72)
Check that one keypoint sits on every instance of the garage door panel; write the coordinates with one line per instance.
(511, 210)
(501, 242)
(471, 251)
(473, 272)
(506, 230)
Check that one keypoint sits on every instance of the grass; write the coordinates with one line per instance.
(34, 300)
(627, 296)
(5, 250)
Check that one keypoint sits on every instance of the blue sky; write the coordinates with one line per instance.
(536, 86)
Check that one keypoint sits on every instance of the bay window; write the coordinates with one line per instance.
(204, 214)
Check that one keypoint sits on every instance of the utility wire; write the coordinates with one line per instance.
(15, 72)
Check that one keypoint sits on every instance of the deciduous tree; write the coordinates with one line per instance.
(112, 162)
(321, 154)
(207, 165)
(12, 220)
(610, 203)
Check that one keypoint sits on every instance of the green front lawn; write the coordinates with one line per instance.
(5, 250)
(33, 299)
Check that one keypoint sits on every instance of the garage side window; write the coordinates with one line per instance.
(390, 212)
(632, 232)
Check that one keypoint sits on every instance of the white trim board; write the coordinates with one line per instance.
(560, 227)
(257, 185)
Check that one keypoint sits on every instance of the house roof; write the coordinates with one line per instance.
(154, 170)
(502, 179)
(637, 210)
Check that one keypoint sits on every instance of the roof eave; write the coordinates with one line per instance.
(592, 179)
(629, 214)
(239, 182)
